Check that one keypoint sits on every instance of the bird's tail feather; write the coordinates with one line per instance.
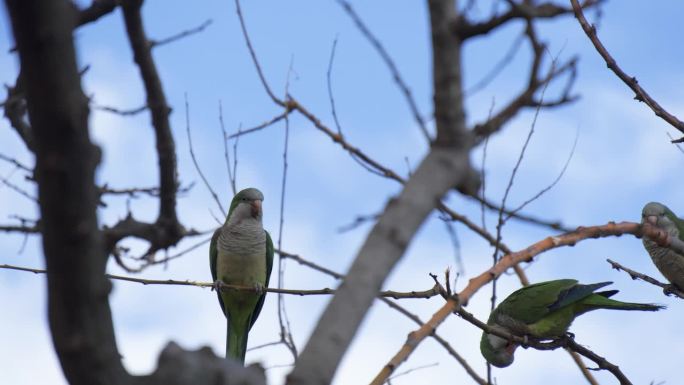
(598, 301)
(236, 342)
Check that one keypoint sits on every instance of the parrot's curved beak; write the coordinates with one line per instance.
(256, 208)
(652, 219)
(510, 348)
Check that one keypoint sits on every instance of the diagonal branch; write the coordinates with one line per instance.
(630, 81)
(455, 303)
(668, 289)
(405, 90)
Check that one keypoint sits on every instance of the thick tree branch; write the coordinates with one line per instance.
(78, 309)
(156, 100)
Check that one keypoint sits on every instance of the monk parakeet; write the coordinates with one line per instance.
(241, 253)
(545, 310)
(670, 263)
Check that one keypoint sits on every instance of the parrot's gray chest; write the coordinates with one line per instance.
(670, 264)
(241, 256)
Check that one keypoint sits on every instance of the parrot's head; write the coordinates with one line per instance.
(246, 205)
(496, 350)
(657, 214)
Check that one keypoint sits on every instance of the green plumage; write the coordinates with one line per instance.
(546, 310)
(241, 253)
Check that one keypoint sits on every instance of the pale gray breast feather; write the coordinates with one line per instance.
(242, 239)
(654, 250)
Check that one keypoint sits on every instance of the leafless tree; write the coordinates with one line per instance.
(47, 108)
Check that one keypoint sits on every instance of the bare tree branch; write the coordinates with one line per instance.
(630, 81)
(526, 10)
(668, 289)
(471, 372)
(96, 10)
(375, 42)
(78, 308)
(226, 155)
(181, 35)
(425, 294)
(536, 81)
(194, 160)
(121, 112)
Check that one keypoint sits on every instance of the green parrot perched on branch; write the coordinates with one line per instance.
(241, 253)
(669, 262)
(545, 310)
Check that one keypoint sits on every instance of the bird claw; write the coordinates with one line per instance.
(259, 289)
(217, 286)
(525, 342)
(670, 289)
(570, 335)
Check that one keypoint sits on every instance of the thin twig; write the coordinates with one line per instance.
(330, 92)
(252, 53)
(194, 159)
(667, 288)
(398, 80)
(22, 192)
(550, 186)
(439, 340)
(16, 163)
(285, 330)
(483, 174)
(226, 155)
(408, 371)
(180, 35)
(358, 221)
(263, 125)
(497, 69)
(119, 111)
(226, 287)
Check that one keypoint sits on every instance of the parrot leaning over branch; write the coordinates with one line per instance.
(669, 262)
(241, 253)
(545, 310)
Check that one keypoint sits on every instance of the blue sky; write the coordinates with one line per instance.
(623, 159)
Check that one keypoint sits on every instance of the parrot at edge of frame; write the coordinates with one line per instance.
(241, 253)
(669, 262)
(545, 310)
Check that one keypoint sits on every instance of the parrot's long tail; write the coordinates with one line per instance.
(600, 300)
(236, 341)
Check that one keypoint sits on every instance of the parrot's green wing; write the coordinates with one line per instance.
(531, 303)
(677, 221)
(213, 255)
(269, 267)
